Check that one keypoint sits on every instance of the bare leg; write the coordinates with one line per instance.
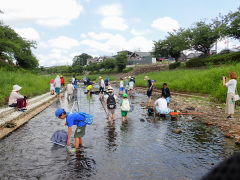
(126, 118)
(113, 117)
(109, 118)
(77, 143)
(122, 119)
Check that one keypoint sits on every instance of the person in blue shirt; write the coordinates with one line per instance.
(150, 88)
(73, 119)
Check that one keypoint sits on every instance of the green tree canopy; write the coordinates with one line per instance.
(234, 24)
(81, 59)
(121, 61)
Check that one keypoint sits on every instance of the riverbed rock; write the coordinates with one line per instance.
(142, 120)
(237, 143)
(177, 131)
(228, 135)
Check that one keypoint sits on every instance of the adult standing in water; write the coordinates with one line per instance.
(231, 84)
(101, 87)
(57, 84)
(150, 88)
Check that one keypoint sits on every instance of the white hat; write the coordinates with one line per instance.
(129, 77)
(16, 88)
(110, 89)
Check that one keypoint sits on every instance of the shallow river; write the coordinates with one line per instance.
(133, 150)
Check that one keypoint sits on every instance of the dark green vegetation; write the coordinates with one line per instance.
(31, 84)
(205, 81)
(13, 46)
(174, 65)
(200, 37)
(214, 60)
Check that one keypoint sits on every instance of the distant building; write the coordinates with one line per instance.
(91, 60)
(182, 58)
(238, 47)
(129, 53)
(193, 55)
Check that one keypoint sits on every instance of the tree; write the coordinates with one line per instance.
(13, 46)
(173, 45)
(121, 61)
(203, 36)
(81, 59)
(110, 63)
(234, 26)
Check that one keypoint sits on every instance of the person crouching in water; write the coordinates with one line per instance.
(125, 107)
(166, 92)
(17, 100)
(160, 107)
(110, 101)
(73, 119)
(70, 89)
(90, 86)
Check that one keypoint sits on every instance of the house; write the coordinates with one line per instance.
(238, 47)
(129, 53)
(139, 55)
(91, 60)
(193, 55)
(141, 58)
(183, 58)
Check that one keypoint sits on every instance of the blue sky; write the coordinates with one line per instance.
(65, 28)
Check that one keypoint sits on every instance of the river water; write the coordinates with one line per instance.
(133, 150)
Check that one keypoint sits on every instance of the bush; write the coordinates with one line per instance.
(215, 59)
(174, 65)
(126, 70)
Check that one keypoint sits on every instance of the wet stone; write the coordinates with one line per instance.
(177, 131)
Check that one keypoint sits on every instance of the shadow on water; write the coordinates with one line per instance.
(112, 150)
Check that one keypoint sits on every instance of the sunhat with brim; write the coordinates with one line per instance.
(100, 77)
(146, 78)
(125, 95)
(125, 78)
(59, 112)
(16, 88)
(110, 89)
(129, 77)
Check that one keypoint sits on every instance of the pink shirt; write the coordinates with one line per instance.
(14, 96)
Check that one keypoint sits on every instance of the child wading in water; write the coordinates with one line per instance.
(166, 92)
(121, 86)
(52, 88)
(73, 119)
(125, 106)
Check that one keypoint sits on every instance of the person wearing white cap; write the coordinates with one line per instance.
(17, 100)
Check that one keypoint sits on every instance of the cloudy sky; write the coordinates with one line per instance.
(65, 28)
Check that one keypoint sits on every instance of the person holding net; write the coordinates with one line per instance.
(73, 119)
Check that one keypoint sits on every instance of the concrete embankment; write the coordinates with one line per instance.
(11, 119)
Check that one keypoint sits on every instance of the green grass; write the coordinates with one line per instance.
(31, 84)
(205, 81)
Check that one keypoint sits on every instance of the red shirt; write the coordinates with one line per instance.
(62, 80)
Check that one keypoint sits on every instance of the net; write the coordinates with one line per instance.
(60, 138)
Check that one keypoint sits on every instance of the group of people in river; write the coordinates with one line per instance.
(160, 105)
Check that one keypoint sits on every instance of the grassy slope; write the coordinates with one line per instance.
(207, 81)
(31, 84)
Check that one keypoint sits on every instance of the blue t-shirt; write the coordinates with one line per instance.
(75, 119)
(149, 83)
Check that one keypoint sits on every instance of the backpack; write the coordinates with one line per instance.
(88, 117)
(111, 102)
(106, 82)
(125, 105)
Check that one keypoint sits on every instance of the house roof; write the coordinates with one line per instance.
(141, 54)
(124, 51)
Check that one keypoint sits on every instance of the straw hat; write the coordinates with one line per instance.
(16, 88)
(100, 77)
(146, 78)
(110, 89)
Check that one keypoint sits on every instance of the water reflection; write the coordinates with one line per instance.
(111, 136)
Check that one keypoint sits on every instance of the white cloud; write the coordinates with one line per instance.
(28, 33)
(139, 33)
(114, 22)
(111, 9)
(100, 36)
(58, 51)
(83, 35)
(53, 13)
(136, 20)
(165, 24)
(61, 42)
(118, 42)
(53, 59)
(72, 55)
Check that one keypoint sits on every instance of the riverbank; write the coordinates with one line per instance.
(214, 114)
(32, 84)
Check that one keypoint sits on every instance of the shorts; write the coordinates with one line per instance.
(124, 113)
(149, 93)
(80, 131)
(130, 87)
(101, 89)
(167, 99)
(110, 112)
(62, 84)
(163, 111)
(57, 90)
(121, 89)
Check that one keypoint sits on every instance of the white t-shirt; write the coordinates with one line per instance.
(70, 88)
(161, 103)
(231, 85)
(102, 83)
(121, 83)
(131, 84)
(73, 79)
